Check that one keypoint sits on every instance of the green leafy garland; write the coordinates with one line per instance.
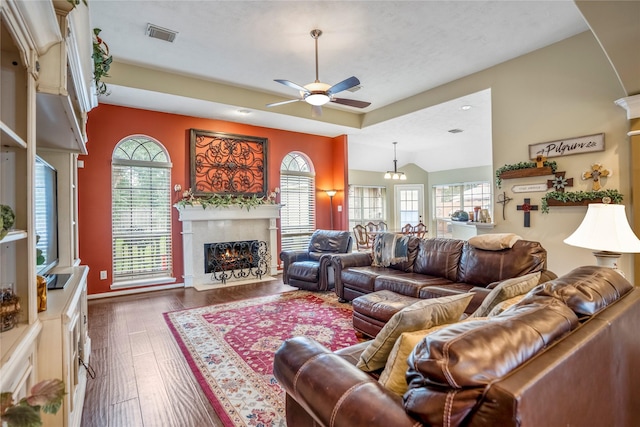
(225, 200)
(521, 165)
(101, 62)
(578, 196)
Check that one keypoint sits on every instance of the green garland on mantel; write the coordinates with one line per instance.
(521, 165)
(222, 200)
(579, 196)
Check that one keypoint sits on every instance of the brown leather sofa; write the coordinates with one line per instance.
(311, 269)
(434, 268)
(522, 368)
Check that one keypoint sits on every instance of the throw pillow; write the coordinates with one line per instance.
(504, 305)
(495, 241)
(423, 314)
(507, 289)
(394, 375)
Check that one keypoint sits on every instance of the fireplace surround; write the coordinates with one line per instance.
(202, 226)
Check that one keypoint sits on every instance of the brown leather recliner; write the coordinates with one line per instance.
(311, 269)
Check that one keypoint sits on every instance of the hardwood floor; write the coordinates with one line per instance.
(142, 378)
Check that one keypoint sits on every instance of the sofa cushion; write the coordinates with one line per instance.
(382, 305)
(481, 267)
(586, 290)
(363, 278)
(406, 283)
(423, 314)
(329, 241)
(439, 257)
(304, 270)
(494, 241)
(507, 289)
(449, 368)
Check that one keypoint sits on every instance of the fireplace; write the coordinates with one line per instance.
(229, 224)
(239, 260)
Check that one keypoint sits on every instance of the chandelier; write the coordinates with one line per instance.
(394, 174)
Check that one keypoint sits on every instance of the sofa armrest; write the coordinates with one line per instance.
(333, 391)
(288, 258)
(341, 261)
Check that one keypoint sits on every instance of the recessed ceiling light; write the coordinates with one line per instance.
(465, 107)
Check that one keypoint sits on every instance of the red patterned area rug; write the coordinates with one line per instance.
(230, 348)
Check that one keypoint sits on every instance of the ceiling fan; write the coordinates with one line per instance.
(317, 93)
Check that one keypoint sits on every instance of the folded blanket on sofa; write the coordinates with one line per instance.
(389, 248)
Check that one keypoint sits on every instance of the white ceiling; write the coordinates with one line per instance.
(396, 48)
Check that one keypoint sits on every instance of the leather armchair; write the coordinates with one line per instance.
(311, 269)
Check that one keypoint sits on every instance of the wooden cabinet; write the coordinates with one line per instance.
(18, 370)
(45, 64)
(68, 346)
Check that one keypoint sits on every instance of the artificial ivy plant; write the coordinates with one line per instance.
(217, 200)
(579, 196)
(521, 165)
(101, 62)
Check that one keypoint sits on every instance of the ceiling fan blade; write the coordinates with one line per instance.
(316, 111)
(351, 102)
(273, 104)
(343, 85)
(292, 85)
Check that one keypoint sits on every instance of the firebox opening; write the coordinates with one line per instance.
(225, 256)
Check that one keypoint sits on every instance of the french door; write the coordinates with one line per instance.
(409, 204)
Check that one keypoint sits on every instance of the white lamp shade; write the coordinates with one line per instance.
(605, 228)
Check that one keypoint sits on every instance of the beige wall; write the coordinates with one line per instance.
(565, 90)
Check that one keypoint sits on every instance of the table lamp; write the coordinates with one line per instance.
(606, 231)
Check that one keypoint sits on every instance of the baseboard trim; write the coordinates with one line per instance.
(135, 291)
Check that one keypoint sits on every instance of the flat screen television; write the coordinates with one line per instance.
(46, 216)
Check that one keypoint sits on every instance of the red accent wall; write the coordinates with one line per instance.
(108, 125)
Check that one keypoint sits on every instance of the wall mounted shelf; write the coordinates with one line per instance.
(525, 173)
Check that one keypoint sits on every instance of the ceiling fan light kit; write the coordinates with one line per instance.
(395, 174)
(317, 93)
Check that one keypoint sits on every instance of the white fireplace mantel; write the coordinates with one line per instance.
(224, 224)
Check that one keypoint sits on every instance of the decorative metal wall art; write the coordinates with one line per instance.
(228, 163)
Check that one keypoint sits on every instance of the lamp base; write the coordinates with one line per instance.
(608, 259)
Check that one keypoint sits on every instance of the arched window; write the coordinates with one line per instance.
(141, 212)
(297, 195)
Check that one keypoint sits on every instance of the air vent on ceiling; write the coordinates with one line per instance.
(161, 33)
(355, 88)
(455, 130)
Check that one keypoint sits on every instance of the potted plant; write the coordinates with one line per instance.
(578, 198)
(47, 396)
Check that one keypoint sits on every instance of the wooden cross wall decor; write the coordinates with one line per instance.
(596, 171)
(527, 207)
(503, 199)
(559, 182)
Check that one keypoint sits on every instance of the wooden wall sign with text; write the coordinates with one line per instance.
(530, 188)
(567, 147)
